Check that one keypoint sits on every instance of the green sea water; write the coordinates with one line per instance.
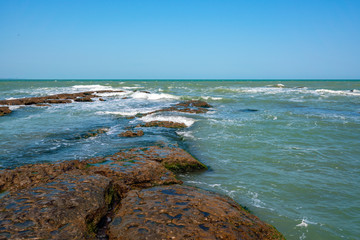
(287, 150)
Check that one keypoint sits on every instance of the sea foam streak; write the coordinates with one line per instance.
(94, 87)
(153, 96)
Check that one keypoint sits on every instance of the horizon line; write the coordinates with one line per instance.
(189, 79)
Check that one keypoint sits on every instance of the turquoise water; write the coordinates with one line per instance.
(287, 150)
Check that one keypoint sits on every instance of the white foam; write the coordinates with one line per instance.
(353, 92)
(153, 96)
(187, 121)
(131, 87)
(302, 224)
(14, 107)
(279, 85)
(211, 98)
(130, 113)
(255, 200)
(111, 94)
(186, 134)
(95, 87)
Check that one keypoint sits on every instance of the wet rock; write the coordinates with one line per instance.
(84, 99)
(173, 158)
(69, 207)
(92, 133)
(57, 98)
(130, 133)
(194, 103)
(43, 105)
(181, 212)
(248, 110)
(31, 175)
(56, 101)
(101, 99)
(4, 111)
(131, 173)
(166, 124)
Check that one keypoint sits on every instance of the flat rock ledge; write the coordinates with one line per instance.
(133, 194)
(4, 111)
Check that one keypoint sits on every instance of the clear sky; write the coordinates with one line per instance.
(178, 39)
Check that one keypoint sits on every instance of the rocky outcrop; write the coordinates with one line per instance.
(4, 111)
(68, 207)
(182, 212)
(92, 133)
(165, 124)
(130, 133)
(172, 158)
(194, 103)
(57, 98)
(128, 195)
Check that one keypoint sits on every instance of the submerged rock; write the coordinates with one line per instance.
(182, 212)
(194, 103)
(92, 133)
(166, 124)
(4, 111)
(130, 133)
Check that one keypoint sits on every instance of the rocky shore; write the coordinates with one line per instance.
(132, 194)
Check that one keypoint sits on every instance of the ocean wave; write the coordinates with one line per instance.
(112, 94)
(187, 121)
(153, 96)
(271, 90)
(125, 113)
(303, 223)
(353, 92)
(185, 134)
(94, 87)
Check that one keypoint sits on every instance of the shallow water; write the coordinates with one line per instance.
(287, 150)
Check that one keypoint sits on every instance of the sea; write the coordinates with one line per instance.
(288, 151)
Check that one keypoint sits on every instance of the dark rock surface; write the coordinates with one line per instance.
(65, 208)
(129, 195)
(92, 133)
(130, 133)
(4, 111)
(194, 103)
(173, 158)
(182, 212)
(57, 98)
(166, 124)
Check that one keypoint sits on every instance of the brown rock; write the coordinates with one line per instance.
(166, 124)
(43, 105)
(84, 99)
(92, 133)
(101, 99)
(4, 111)
(56, 101)
(132, 173)
(181, 212)
(31, 175)
(69, 207)
(64, 97)
(130, 133)
(173, 158)
(194, 103)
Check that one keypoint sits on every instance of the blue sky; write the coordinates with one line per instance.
(180, 39)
